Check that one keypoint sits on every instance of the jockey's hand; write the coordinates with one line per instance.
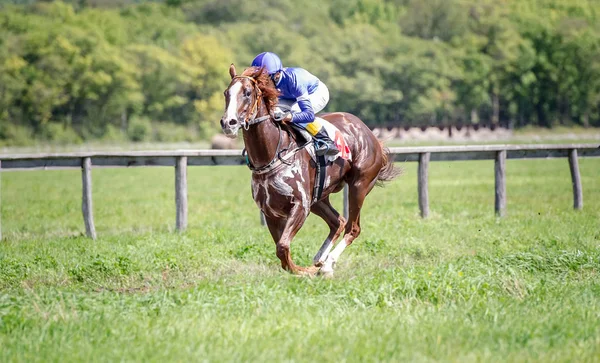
(288, 117)
(283, 116)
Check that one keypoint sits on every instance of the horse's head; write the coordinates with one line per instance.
(243, 96)
(241, 102)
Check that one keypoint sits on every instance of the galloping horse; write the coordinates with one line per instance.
(283, 171)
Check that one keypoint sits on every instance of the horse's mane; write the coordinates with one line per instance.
(265, 84)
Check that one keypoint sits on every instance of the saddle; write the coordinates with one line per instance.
(303, 137)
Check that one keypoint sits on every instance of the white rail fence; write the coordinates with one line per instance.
(181, 159)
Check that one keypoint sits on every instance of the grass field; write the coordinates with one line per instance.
(461, 286)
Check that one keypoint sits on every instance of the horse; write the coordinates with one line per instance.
(283, 169)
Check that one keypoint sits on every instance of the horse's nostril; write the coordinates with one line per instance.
(232, 122)
(222, 123)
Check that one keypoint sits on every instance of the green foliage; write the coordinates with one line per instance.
(166, 132)
(14, 135)
(140, 129)
(59, 134)
(93, 66)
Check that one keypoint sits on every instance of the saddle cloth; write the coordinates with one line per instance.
(336, 135)
(333, 132)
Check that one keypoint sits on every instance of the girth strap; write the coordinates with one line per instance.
(320, 178)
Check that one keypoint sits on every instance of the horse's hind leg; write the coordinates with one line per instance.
(357, 191)
(336, 224)
(283, 231)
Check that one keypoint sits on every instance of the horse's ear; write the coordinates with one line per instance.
(232, 70)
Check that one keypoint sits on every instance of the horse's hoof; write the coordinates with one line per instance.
(326, 273)
(320, 260)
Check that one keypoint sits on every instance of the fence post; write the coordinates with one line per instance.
(423, 184)
(500, 183)
(181, 193)
(86, 202)
(575, 179)
(345, 207)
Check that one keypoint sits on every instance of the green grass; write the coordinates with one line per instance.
(460, 286)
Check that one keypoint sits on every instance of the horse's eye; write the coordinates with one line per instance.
(247, 93)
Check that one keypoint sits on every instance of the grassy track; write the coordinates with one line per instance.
(461, 286)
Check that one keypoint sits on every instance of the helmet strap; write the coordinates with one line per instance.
(275, 78)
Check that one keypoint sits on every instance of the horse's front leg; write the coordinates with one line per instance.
(283, 230)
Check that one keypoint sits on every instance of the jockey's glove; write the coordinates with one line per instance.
(279, 115)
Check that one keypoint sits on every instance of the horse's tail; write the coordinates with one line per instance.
(388, 171)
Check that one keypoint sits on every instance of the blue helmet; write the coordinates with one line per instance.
(268, 60)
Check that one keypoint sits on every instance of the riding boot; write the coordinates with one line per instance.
(324, 145)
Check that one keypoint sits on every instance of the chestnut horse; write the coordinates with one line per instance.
(284, 171)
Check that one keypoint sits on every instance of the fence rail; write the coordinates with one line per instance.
(181, 159)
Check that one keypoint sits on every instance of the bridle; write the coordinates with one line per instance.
(250, 120)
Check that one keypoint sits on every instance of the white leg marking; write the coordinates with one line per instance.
(332, 258)
(323, 252)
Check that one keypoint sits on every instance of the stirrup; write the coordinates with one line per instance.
(323, 147)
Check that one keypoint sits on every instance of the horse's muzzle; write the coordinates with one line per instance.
(230, 127)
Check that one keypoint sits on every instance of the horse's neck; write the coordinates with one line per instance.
(261, 140)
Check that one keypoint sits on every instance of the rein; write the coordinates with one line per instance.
(277, 159)
(250, 120)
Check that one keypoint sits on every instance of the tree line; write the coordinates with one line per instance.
(130, 70)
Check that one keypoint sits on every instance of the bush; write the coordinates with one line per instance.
(59, 134)
(140, 129)
(168, 132)
(14, 135)
(114, 134)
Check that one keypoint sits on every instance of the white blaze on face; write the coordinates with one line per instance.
(232, 109)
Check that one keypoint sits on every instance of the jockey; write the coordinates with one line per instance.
(303, 94)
